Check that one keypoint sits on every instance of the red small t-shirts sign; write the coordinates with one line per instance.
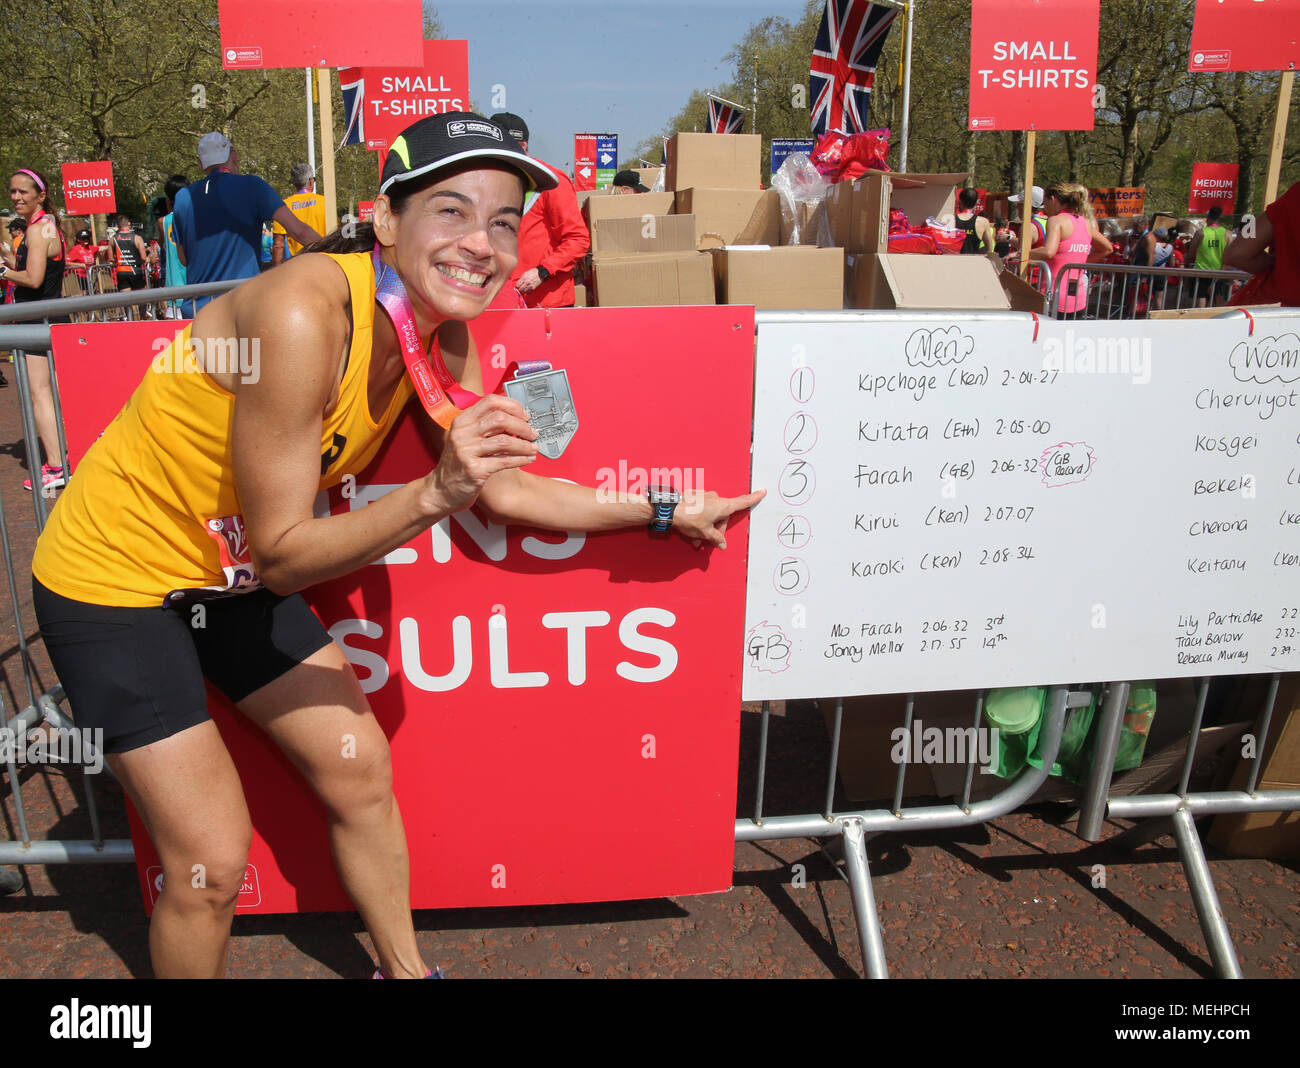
(1033, 64)
(328, 33)
(1213, 183)
(88, 188)
(392, 98)
(1245, 35)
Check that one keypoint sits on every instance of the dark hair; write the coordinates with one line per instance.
(968, 197)
(47, 199)
(122, 221)
(1212, 216)
(174, 185)
(17, 223)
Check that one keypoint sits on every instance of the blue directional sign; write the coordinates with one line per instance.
(785, 146)
(606, 159)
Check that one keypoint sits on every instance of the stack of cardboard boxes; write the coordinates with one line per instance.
(717, 179)
(737, 247)
(642, 255)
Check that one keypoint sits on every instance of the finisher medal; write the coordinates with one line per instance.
(549, 402)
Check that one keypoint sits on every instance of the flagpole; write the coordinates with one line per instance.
(311, 125)
(327, 148)
(907, 89)
(755, 111)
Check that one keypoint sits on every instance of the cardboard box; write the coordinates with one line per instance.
(715, 161)
(579, 296)
(656, 233)
(1020, 294)
(649, 175)
(764, 226)
(1275, 835)
(584, 195)
(902, 280)
(776, 278)
(858, 212)
(721, 215)
(653, 280)
(625, 206)
(803, 225)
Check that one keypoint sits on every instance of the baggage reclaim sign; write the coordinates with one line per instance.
(1033, 64)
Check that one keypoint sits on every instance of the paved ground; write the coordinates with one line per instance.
(1014, 898)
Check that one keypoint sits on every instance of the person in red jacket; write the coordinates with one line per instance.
(552, 237)
(1270, 250)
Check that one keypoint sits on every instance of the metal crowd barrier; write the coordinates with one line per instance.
(1182, 807)
(1122, 291)
(43, 707)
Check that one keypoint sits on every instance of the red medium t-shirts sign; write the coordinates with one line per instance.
(326, 33)
(563, 710)
(1245, 35)
(88, 188)
(392, 98)
(1033, 64)
(1213, 183)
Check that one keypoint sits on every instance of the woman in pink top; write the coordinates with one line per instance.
(1071, 238)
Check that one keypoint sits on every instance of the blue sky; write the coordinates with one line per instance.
(599, 66)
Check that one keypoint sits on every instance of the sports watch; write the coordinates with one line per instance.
(543, 273)
(663, 501)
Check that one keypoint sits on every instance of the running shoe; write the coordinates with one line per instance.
(51, 478)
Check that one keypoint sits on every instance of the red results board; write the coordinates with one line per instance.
(88, 187)
(389, 99)
(1033, 64)
(563, 709)
(1245, 35)
(1213, 183)
(327, 33)
(584, 161)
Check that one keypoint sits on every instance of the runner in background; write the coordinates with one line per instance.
(174, 271)
(1206, 252)
(307, 205)
(978, 230)
(131, 259)
(1071, 238)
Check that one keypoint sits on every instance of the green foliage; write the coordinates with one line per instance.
(138, 82)
(1157, 118)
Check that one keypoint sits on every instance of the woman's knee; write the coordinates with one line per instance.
(207, 879)
(360, 782)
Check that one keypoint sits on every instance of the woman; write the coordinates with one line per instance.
(978, 230)
(1070, 238)
(203, 486)
(36, 271)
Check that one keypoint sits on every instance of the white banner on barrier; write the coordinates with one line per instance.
(960, 504)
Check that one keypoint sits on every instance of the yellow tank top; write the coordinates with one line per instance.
(151, 515)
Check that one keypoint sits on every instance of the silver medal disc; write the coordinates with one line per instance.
(549, 402)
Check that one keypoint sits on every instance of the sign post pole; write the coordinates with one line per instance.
(1027, 205)
(327, 148)
(311, 125)
(1279, 137)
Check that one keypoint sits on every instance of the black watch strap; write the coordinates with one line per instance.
(543, 273)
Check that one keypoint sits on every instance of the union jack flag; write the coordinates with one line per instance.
(843, 66)
(354, 89)
(725, 118)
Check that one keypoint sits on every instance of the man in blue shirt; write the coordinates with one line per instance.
(219, 218)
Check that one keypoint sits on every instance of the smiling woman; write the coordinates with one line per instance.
(177, 551)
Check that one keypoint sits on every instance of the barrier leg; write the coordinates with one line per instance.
(1093, 809)
(1208, 909)
(864, 901)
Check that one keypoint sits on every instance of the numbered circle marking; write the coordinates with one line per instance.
(794, 531)
(790, 576)
(802, 384)
(797, 482)
(800, 433)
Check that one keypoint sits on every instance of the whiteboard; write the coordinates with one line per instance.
(958, 503)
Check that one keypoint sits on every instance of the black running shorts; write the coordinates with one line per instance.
(138, 673)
